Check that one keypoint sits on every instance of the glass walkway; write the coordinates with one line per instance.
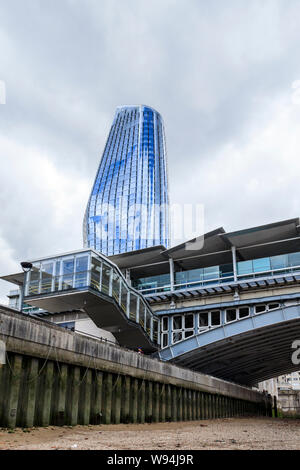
(87, 281)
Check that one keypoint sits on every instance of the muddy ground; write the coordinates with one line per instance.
(244, 433)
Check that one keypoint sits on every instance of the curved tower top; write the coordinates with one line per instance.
(128, 208)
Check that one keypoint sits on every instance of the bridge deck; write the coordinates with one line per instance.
(247, 351)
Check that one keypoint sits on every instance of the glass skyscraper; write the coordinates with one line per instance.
(128, 208)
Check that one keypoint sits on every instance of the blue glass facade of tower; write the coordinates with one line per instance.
(128, 208)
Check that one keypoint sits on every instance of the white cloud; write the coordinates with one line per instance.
(41, 207)
(219, 72)
(255, 180)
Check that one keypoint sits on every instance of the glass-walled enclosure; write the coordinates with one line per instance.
(273, 265)
(88, 269)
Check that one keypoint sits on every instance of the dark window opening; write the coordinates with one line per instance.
(189, 321)
(216, 318)
(244, 312)
(230, 315)
(203, 319)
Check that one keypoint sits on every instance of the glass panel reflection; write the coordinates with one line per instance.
(68, 271)
(95, 273)
(133, 306)
(81, 271)
(106, 270)
(46, 277)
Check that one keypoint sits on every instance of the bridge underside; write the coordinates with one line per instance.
(247, 352)
(102, 309)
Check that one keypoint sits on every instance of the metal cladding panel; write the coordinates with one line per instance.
(238, 327)
(268, 318)
(165, 354)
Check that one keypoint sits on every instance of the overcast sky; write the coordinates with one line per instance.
(224, 75)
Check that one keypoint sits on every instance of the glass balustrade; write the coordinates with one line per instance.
(89, 270)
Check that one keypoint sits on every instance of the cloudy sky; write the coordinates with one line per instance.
(224, 75)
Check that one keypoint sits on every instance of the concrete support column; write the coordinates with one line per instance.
(85, 399)
(149, 402)
(213, 408)
(46, 394)
(59, 415)
(108, 379)
(218, 406)
(207, 407)
(96, 409)
(163, 403)
(185, 405)
(142, 402)
(156, 403)
(189, 405)
(73, 396)
(234, 407)
(168, 403)
(200, 406)
(195, 408)
(117, 397)
(126, 400)
(10, 413)
(134, 401)
(202, 400)
(226, 408)
(204, 404)
(30, 394)
(180, 404)
(174, 416)
(210, 406)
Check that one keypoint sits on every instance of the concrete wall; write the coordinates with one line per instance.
(54, 376)
(289, 402)
(83, 324)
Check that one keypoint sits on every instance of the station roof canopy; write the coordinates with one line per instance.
(152, 254)
(17, 278)
(214, 248)
(211, 249)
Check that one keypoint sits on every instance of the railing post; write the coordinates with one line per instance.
(60, 279)
(89, 269)
(171, 263)
(151, 328)
(100, 276)
(110, 281)
(128, 304)
(233, 250)
(138, 309)
(53, 276)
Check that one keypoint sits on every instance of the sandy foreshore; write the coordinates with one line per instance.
(262, 433)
